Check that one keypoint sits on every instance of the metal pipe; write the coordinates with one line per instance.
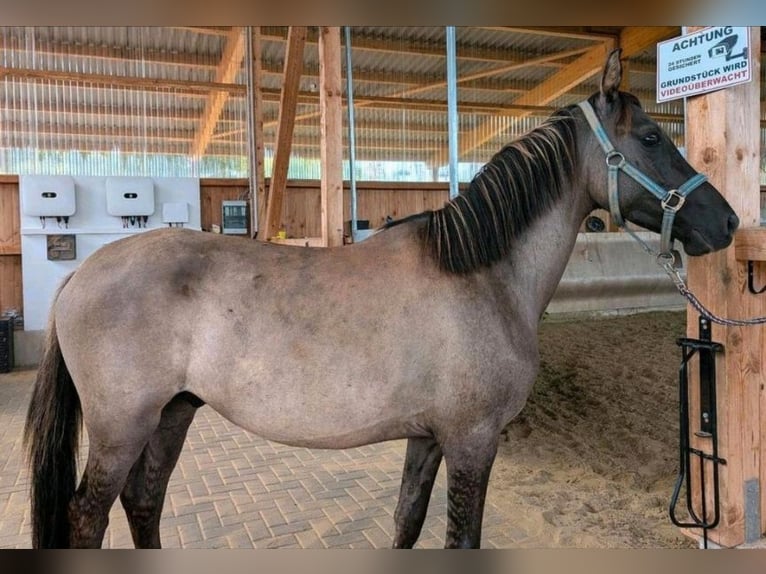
(351, 133)
(251, 143)
(452, 123)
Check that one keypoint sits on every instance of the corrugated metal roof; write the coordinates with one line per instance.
(153, 88)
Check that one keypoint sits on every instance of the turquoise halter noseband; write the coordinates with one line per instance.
(670, 200)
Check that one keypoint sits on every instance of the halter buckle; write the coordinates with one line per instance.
(667, 202)
(615, 155)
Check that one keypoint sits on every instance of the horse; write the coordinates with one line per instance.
(426, 331)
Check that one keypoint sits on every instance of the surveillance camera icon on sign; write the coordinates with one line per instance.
(724, 49)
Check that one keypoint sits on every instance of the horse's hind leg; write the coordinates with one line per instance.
(469, 463)
(104, 477)
(420, 467)
(144, 491)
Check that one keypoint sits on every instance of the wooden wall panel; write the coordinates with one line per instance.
(10, 245)
(301, 207)
(10, 284)
(213, 192)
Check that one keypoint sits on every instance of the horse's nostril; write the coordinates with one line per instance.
(733, 222)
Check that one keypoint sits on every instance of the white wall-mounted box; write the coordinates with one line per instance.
(48, 196)
(175, 212)
(128, 196)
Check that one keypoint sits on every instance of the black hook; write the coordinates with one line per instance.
(750, 279)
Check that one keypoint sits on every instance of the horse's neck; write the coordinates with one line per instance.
(538, 259)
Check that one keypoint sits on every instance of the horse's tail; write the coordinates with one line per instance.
(51, 437)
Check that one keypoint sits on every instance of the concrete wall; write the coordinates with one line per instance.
(610, 272)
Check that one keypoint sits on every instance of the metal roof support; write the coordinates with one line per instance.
(452, 123)
(351, 132)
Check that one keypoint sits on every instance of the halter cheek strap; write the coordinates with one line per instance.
(670, 200)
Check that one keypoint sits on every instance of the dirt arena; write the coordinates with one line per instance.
(591, 462)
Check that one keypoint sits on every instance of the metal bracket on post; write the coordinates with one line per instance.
(703, 517)
(751, 280)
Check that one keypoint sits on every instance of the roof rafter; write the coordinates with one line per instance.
(558, 83)
(632, 40)
(231, 61)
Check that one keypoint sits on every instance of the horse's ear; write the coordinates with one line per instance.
(612, 76)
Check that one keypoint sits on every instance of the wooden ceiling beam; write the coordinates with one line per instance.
(635, 39)
(208, 30)
(153, 84)
(124, 55)
(632, 40)
(226, 73)
(361, 102)
(571, 32)
(400, 46)
(546, 91)
(48, 130)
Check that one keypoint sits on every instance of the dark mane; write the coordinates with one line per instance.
(521, 182)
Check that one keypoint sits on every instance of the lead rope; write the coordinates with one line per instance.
(666, 261)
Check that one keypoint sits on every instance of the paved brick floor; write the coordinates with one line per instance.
(232, 489)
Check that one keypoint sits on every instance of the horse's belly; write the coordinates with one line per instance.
(316, 429)
(329, 411)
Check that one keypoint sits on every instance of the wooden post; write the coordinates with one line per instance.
(331, 124)
(723, 141)
(296, 40)
(257, 216)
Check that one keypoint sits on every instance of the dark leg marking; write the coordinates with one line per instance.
(101, 483)
(424, 455)
(468, 470)
(144, 492)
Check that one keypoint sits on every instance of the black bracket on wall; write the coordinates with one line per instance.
(701, 516)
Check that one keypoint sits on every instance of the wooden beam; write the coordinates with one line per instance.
(300, 242)
(732, 165)
(362, 102)
(287, 107)
(587, 65)
(635, 39)
(558, 83)
(331, 130)
(404, 46)
(750, 244)
(154, 84)
(570, 32)
(132, 54)
(207, 30)
(226, 73)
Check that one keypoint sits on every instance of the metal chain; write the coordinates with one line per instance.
(665, 260)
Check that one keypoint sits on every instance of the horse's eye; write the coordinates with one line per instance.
(651, 139)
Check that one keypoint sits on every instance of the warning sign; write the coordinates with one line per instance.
(704, 61)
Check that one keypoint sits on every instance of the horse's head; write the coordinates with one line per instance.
(655, 187)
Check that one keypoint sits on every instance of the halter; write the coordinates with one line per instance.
(670, 200)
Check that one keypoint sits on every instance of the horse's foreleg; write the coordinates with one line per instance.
(420, 467)
(144, 491)
(469, 463)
